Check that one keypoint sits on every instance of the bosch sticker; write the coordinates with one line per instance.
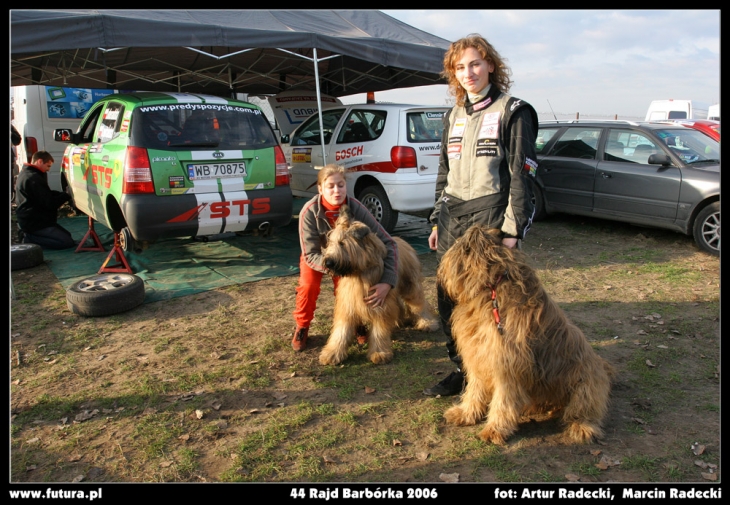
(531, 166)
(490, 126)
(454, 152)
(177, 181)
(348, 153)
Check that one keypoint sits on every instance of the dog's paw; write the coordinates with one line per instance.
(427, 325)
(330, 358)
(380, 357)
(489, 434)
(583, 433)
(458, 417)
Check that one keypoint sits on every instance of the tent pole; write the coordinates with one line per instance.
(319, 106)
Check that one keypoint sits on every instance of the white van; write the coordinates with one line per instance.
(676, 109)
(391, 152)
(291, 108)
(714, 112)
(38, 110)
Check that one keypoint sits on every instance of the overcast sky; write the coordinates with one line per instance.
(600, 62)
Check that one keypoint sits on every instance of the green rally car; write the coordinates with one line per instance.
(153, 165)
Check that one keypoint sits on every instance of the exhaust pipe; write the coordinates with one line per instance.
(264, 226)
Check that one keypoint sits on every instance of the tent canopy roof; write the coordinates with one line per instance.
(222, 51)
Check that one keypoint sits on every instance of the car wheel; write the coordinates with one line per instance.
(127, 242)
(67, 189)
(25, 256)
(538, 199)
(707, 229)
(375, 200)
(105, 294)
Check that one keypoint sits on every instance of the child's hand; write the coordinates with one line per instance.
(376, 295)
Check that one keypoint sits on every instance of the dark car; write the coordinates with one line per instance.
(651, 174)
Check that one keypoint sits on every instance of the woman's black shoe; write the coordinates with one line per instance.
(451, 385)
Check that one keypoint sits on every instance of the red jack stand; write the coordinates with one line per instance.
(91, 234)
(122, 264)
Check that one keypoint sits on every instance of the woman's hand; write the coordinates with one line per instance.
(433, 239)
(509, 242)
(376, 295)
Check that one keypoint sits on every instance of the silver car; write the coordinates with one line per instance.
(657, 175)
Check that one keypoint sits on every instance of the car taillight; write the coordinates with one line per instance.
(282, 169)
(31, 146)
(137, 172)
(403, 157)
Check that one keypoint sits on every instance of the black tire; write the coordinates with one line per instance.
(72, 203)
(706, 229)
(127, 242)
(105, 294)
(25, 256)
(539, 200)
(376, 201)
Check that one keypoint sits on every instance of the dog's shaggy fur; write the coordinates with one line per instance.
(540, 362)
(356, 254)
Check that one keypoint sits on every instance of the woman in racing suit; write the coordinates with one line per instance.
(486, 165)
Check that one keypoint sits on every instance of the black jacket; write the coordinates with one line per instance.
(37, 203)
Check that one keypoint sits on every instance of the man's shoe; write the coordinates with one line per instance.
(299, 342)
(362, 335)
(451, 385)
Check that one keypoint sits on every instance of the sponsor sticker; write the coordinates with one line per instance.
(490, 126)
(459, 126)
(482, 105)
(454, 152)
(301, 155)
(125, 126)
(487, 147)
(531, 166)
(177, 181)
(515, 104)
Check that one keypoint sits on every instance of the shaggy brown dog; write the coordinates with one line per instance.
(356, 254)
(520, 352)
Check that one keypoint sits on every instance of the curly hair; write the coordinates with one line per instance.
(500, 77)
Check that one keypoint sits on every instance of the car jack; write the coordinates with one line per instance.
(122, 264)
(90, 235)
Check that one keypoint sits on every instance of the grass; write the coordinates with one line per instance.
(271, 415)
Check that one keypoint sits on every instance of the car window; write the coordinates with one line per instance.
(629, 146)
(577, 142)
(88, 127)
(690, 145)
(362, 126)
(308, 133)
(168, 127)
(544, 135)
(111, 121)
(425, 126)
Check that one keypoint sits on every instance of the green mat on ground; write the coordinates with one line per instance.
(181, 267)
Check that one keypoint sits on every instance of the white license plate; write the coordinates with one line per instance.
(216, 171)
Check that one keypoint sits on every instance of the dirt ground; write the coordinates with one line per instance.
(84, 389)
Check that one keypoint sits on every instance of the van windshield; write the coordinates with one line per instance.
(195, 126)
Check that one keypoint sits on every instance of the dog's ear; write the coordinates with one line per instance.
(344, 217)
(359, 232)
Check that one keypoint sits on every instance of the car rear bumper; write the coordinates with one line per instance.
(151, 217)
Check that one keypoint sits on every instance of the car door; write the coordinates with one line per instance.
(627, 186)
(306, 151)
(567, 172)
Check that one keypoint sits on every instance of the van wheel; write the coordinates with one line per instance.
(375, 200)
(706, 229)
(105, 294)
(25, 256)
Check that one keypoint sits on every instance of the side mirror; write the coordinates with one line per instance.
(659, 159)
(285, 139)
(63, 135)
